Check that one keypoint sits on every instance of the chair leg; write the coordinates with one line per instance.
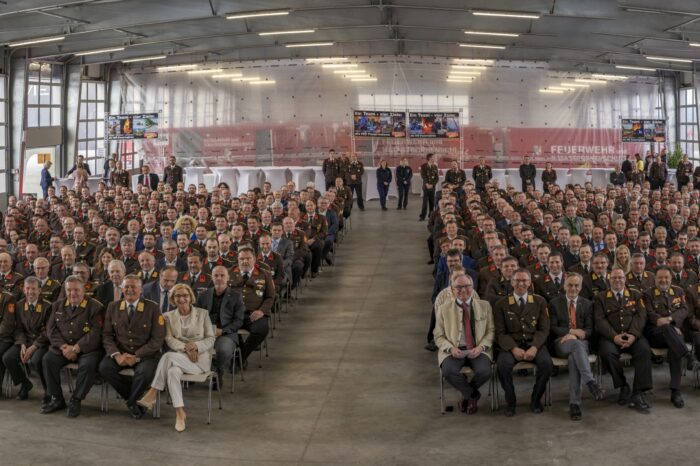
(218, 389)
(156, 408)
(211, 383)
(442, 394)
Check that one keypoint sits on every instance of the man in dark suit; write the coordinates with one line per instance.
(110, 290)
(80, 163)
(171, 257)
(159, 291)
(284, 247)
(227, 311)
(571, 327)
(527, 173)
(332, 221)
(172, 174)
(134, 332)
(148, 179)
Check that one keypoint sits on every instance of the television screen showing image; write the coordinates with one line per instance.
(138, 126)
(433, 125)
(643, 130)
(379, 124)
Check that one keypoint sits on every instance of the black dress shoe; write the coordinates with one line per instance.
(421, 219)
(462, 405)
(73, 408)
(624, 396)
(596, 391)
(536, 407)
(639, 403)
(44, 401)
(24, 391)
(431, 347)
(677, 399)
(53, 405)
(136, 411)
(575, 412)
(510, 411)
(431, 262)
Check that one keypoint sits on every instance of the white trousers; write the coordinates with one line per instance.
(170, 369)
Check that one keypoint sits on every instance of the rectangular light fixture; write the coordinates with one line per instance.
(40, 40)
(357, 76)
(694, 44)
(498, 34)
(557, 88)
(227, 75)
(477, 61)
(257, 14)
(291, 31)
(455, 80)
(609, 77)
(550, 91)
(483, 46)
(465, 78)
(508, 14)
(339, 65)
(162, 69)
(590, 81)
(309, 44)
(325, 60)
(574, 85)
(363, 79)
(209, 71)
(249, 78)
(468, 67)
(679, 60)
(154, 57)
(95, 52)
(257, 83)
(638, 68)
(349, 71)
(466, 73)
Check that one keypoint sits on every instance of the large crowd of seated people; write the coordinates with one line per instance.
(524, 276)
(137, 288)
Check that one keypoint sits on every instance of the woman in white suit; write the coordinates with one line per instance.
(190, 337)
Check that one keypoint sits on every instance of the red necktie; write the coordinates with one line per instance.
(146, 179)
(468, 336)
(572, 315)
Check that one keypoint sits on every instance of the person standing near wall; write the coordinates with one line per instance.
(404, 173)
(354, 177)
(331, 169)
(383, 182)
(527, 173)
(430, 175)
(46, 178)
(172, 174)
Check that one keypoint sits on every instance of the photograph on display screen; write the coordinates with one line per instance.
(643, 130)
(379, 124)
(433, 125)
(139, 126)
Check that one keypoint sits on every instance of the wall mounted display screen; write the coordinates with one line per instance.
(635, 130)
(433, 125)
(136, 126)
(379, 124)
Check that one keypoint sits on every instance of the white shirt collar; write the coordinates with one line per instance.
(517, 298)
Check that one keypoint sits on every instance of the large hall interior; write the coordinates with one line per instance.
(314, 232)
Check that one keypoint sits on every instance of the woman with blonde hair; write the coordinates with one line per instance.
(185, 225)
(622, 258)
(190, 337)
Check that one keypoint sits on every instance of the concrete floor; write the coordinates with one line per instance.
(348, 382)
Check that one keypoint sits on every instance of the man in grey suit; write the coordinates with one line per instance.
(172, 174)
(159, 291)
(226, 310)
(284, 247)
(571, 326)
(571, 221)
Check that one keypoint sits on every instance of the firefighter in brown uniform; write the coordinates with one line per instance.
(133, 335)
(10, 281)
(30, 341)
(74, 330)
(316, 231)
(194, 277)
(620, 315)
(354, 174)
(50, 288)
(482, 174)
(430, 175)
(666, 313)
(258, 292)
(331, 169)
(522, 328)
(302, 259)
(638, 277)
(7, 327)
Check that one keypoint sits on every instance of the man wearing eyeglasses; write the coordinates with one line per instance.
(464, 334)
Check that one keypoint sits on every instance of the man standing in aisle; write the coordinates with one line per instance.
(430, 175)
(354, 174)
(482, 174)
(148, 179)
(404, 173)
(331, 169)
(172, 174)
(527, 173)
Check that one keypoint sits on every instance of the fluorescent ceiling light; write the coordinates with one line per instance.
(291, 31)
(591, 81)
(551, 91)
(558, 88)
(309, 44)
(468, 67)
(465, 78)
(483, 46)
(363, 79)
(480, 61)
(455, 80)
(339, 65)
(466, 73)
(324, 60)
(507, 14)
(209, 71)
(154, 57)
(679, 60)
(227, 75)
(161, 69)
(356, 76)
(249, 78)
(610, 77)
(349, 71)
(94, 52)
(484, 33)
(257, 14)
(261, 82)
(40, 40)
(574, 85)
(638, 68)
(694, 44)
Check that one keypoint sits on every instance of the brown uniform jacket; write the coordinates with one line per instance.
(258, 292)
(82, 327)
(671, 303)
(8, 307)
(31, 326)
(198, 285)
(12, 283)
(613, 318)
(645, 282)
(143, 335)
(516, 329)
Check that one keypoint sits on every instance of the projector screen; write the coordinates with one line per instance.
(636, 130)
(132, 126)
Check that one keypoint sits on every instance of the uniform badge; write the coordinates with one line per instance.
(86, 329)
(122, 306)
(83, 304)
(530, 299)
(11, 308)
(259, 293)
(37, 308)
(161, 320)
(140, 307)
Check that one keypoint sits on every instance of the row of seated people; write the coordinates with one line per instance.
(494, 250)
(60, 313)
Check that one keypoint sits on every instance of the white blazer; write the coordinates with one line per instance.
(204, 336)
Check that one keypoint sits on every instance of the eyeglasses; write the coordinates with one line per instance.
(181, 296)
(463, 287)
